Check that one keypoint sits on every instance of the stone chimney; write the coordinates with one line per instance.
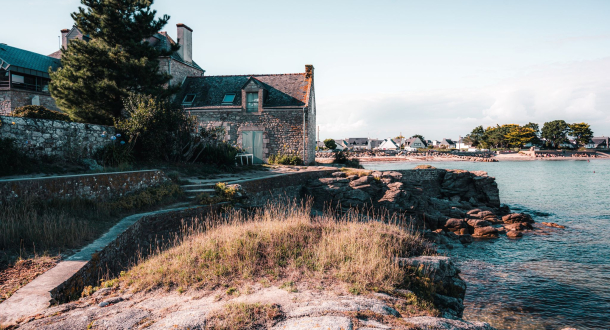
(64, 38)
(185, 40)
(309, 70)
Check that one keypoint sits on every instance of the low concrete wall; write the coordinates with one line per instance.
(136, 243)
(57, 138)
(98, 186)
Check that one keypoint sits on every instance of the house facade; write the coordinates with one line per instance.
(602, 142)
(263, 114)
(24, 79)
(414, 143)
(24, 75)
(389, 144)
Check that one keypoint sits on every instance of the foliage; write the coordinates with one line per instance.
(12, 160)
(330, 144)
(341, 158)
(286, 159)
(39, 112)
(147, 197)
(475, 138)
(519, 136)
(424, 167)
(157, 129)
(581, 132)
(555, 132)
(116, 153)
(96, 75)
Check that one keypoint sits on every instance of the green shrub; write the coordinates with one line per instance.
(115, 154)
(285, 160)
(341, 158)
(157, 129)
(39, 112)
(12, 160)
(219, 154)
(147, 197)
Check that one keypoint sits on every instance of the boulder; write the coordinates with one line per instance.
(465, 239)
(352, 177)
(514, 234)
(362, 180)
(339, 174)
(485, 232)
(392, 175)
(552, 224)
(475, 223)
(454, 224)
(517, 217)
(474, 211)
(437, 323)
(520, 226)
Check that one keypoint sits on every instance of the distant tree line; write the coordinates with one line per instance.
(552, 135)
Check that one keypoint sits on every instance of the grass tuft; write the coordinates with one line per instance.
(245, 316)
(283, 244)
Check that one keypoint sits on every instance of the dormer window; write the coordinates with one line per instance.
(228, 99)
(252, 102)
(188, 99)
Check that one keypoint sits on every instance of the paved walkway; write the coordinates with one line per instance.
(36, 295)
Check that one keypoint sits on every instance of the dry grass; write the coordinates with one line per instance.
(22, 272)
(283, 243)
(244, 316)
(354, 171)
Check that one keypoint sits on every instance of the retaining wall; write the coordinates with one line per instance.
(56, 138)
(90, 186)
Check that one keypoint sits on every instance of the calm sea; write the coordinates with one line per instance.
(541, 281)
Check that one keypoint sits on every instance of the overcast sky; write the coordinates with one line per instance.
(436, 68)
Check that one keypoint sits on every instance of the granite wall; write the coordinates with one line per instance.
(12, 99)
(90, 186)
(55, 137)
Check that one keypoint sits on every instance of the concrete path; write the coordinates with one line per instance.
(35, 297)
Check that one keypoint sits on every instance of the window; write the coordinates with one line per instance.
(17, 79)
(188, 99)
(252, 102)
(228, 99)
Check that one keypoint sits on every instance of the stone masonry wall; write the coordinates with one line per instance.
(90, 186)
(282, 129)
(12, 99)
(55, 137)
(178, 70)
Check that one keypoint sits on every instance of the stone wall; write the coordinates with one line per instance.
(55, 137)
(279, 189)
(90, 186)
(178, 70)
(282, 128)
(12, 99)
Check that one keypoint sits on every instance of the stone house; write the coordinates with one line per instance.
(357, 143)
(180, 64)
(602, 142)
(24, 79)
(24, 75)
(414, 143)
(265, 115)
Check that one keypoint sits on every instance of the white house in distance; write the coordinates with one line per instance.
(414, 143)
(448, 143)
(461, 145)
(388, 144)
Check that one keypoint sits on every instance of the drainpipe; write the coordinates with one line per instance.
(304, 130)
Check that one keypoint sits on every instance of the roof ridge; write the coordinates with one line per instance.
(249, 75)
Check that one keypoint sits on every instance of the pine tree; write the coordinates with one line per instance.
(95, 76)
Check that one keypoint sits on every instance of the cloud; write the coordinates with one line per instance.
(575, 92)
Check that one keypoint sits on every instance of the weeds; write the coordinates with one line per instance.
(245, 316)
(277, 242)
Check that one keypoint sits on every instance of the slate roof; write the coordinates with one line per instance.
(447, 142)
(357, 141)
(283, 90)
(27, 60)
(600, 140)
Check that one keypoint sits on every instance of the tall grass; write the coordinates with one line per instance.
(281, 242)
(31, 224)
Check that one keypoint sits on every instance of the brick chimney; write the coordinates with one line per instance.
(185, 40)
(309, 70)
(64, 38)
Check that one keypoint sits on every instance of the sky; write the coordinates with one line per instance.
(436, 68)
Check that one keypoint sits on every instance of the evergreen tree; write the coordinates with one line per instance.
(95, 76)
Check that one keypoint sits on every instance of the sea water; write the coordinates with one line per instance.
(540, 281)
